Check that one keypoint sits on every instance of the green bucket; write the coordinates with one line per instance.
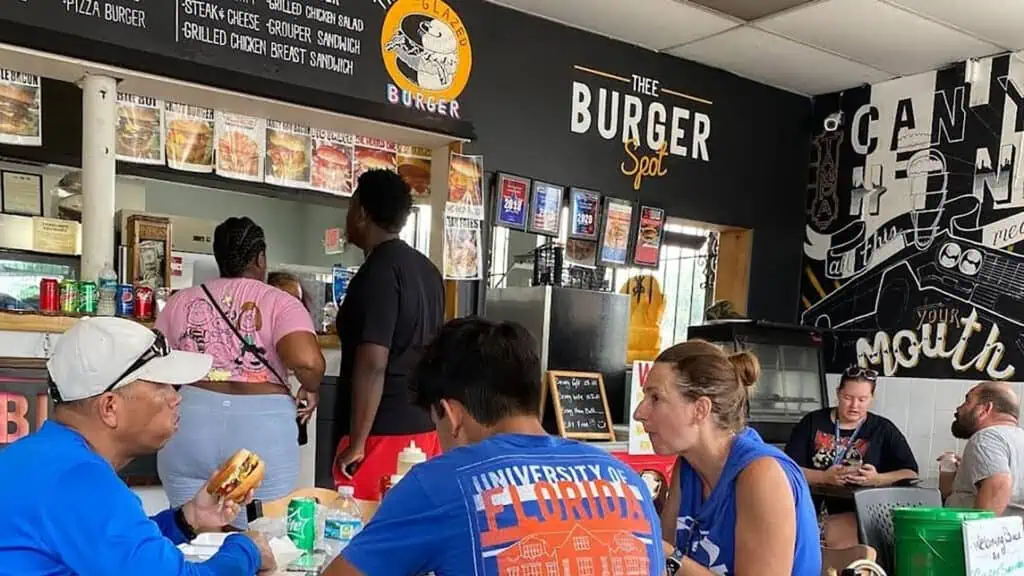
(930, 541)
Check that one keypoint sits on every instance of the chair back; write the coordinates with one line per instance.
(278, 508)
(835, 560)
(874, 515)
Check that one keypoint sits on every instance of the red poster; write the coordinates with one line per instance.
(647, 249)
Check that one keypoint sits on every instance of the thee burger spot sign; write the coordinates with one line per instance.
(648, 119)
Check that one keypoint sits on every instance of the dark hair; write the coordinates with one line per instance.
(704, 369)
(1001, 398)
(386, 198)
(855, 373)
(237, 243)
(491, 368)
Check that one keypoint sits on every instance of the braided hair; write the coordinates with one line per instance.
(237, 243)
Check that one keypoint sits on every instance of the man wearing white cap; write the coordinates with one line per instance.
(64, 510)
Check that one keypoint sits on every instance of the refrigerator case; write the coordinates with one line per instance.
(577, 330)
(21, 273)
(792, 371)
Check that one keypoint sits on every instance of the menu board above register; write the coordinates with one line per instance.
(401, 61)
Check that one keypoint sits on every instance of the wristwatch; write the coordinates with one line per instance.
(187, 530)
(674, 562)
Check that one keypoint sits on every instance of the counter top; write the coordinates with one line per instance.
(41, 323)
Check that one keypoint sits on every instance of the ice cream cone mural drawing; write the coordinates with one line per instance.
(427, 55)
(646, 307)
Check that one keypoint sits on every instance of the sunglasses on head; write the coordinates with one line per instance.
(857, 372)
(158, 349)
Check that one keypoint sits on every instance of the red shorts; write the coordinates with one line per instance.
(381, 461)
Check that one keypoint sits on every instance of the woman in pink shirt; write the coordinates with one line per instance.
(256, 334)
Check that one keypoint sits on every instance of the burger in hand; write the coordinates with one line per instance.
(237, 477)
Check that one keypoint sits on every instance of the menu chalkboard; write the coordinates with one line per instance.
(581, 406)
(334, 46)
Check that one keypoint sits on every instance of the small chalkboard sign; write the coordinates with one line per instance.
(581, 405)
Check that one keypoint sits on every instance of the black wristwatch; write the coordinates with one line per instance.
(184, 526)
(674, 562)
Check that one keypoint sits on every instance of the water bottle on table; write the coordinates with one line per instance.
(344, 520)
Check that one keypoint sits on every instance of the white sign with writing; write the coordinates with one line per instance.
(995, 546)
(639, 441)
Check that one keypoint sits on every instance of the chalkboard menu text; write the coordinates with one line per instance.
(581, 405)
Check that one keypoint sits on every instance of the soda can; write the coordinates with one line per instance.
(143, 303)
(69, 296)
(88, 298)
(125, 301)
(49, 296)
(302, 523)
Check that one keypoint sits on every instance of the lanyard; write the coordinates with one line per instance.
(841, 450)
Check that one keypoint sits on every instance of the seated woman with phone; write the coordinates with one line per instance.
(848, 446)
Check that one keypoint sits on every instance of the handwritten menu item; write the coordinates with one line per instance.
(639, 440)
(647, 249)
(373, 154)
(463, 259)
(584, 213)
(994, 546)
(189, 139)
(581, 252)
(414, 168)
(140, 129)
(513, 194)
(546, 209)
(581, 405)
(333, 157)
(465, 187)
(240, 146)
(288, 152)
(20, 109)
(618, 218)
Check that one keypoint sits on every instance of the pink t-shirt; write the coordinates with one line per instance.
(261, 313)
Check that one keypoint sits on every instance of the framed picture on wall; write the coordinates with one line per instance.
(584, 214)
(22, 193)
(650, 232)
(546, 208)
(613, 246)
(512, 201)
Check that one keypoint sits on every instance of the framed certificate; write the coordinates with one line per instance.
(584, 214)
(22, 193)
(613, 247)
(546, 208)
(512, 201)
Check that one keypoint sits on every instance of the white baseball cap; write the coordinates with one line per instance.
(97, 355)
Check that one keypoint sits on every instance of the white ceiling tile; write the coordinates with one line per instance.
(998, 21)
(654, 24)
(878, 35)
(768, 58)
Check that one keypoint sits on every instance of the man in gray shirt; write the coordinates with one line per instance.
(990, 476)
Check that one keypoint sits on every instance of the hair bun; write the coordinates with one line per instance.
(748, 368)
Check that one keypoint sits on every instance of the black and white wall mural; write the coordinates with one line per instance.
(914, 247)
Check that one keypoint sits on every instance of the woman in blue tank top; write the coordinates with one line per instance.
(737, 506)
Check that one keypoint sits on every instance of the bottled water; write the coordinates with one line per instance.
(344, 520)
(106, 286)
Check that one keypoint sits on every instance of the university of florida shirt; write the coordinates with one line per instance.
(514, 504)
(64, 512)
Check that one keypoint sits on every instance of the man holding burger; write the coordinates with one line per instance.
(64, 510)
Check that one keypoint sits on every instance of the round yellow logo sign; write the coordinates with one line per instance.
(426, 51)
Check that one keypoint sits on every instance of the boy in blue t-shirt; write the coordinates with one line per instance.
(504, 498)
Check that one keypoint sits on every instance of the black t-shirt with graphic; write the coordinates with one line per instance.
(812, 444)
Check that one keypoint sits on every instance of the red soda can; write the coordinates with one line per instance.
(49, 296)
(143, 303)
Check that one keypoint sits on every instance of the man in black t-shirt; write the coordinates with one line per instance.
(393, 307)
(847, 446)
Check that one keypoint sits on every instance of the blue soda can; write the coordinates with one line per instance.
(125, 300)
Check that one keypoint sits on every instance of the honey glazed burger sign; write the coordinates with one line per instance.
(427, 55)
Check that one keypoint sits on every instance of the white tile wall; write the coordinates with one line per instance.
(923, 410)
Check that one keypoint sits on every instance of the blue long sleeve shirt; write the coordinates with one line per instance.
(64, 511)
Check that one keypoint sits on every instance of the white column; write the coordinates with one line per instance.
(99, 117)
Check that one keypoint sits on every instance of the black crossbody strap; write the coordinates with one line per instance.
(246, 345)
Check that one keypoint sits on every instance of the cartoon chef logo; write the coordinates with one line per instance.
(427, 54)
